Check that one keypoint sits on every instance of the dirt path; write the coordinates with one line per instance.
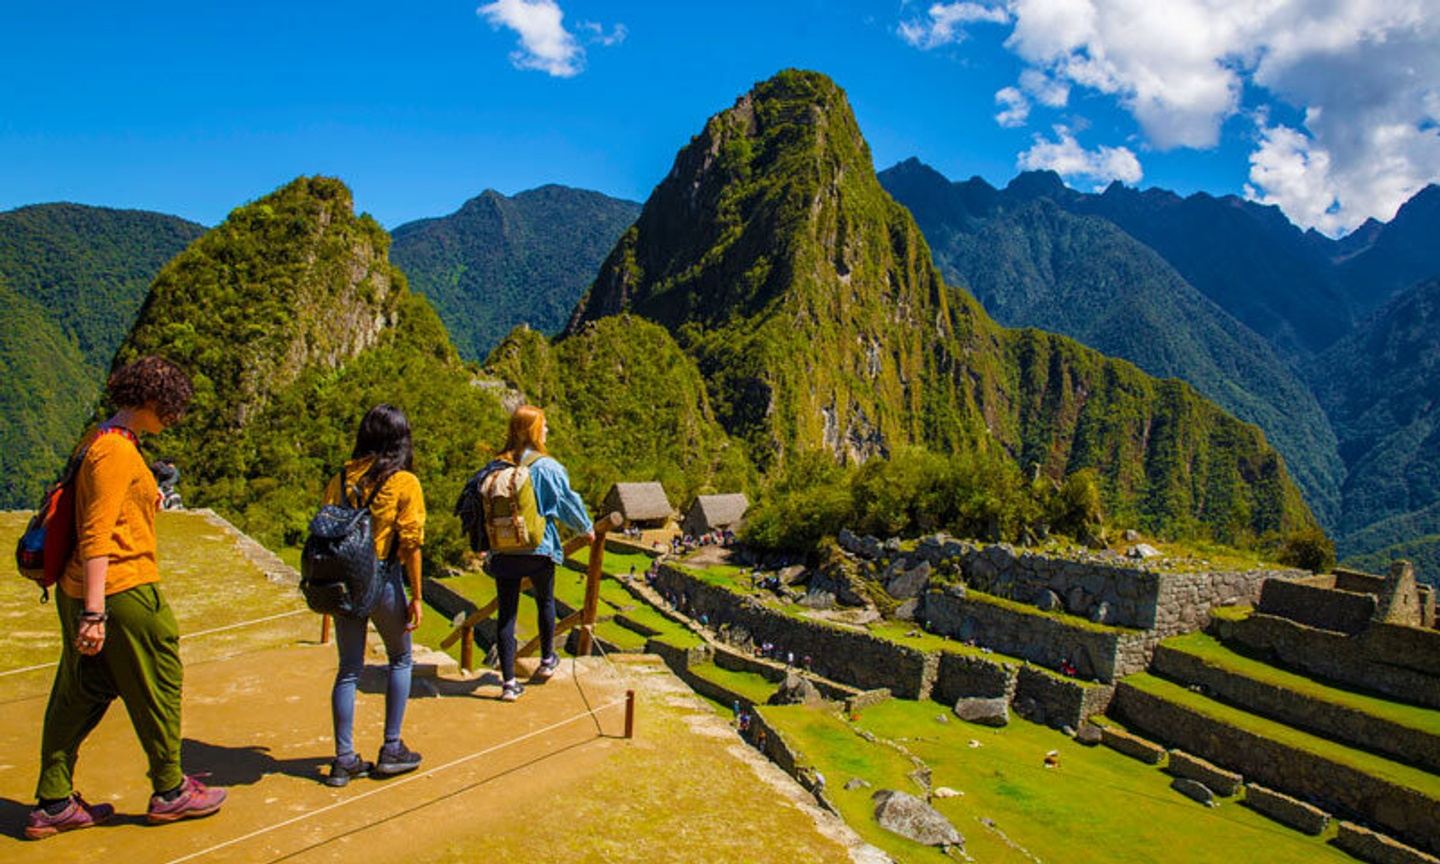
(683, 790)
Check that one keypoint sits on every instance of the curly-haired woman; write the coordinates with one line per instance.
(120, 638)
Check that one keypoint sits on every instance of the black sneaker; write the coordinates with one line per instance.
(511, 691)
(546, 669)
(343, 770)
(396, 758)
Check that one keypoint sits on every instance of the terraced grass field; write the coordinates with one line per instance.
(1098, 806)
(1214, 653)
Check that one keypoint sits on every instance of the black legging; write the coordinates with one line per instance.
(509, 571)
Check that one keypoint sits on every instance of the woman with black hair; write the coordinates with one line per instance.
(383, 464)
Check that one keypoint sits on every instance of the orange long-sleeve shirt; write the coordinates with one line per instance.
(115, 503)
(399, 507)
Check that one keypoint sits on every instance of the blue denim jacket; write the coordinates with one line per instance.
(557, 503)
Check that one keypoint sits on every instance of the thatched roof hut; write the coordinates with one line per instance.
(641, 504)
(715, 513)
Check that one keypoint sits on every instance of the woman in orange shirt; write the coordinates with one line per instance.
(119, 635)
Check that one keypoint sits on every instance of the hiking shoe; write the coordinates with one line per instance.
(195, 800)
(343, 770)
(76, 814)
(396, 758)
(546, 669)
(511, 691)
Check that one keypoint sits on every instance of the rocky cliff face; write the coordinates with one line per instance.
(808, 298)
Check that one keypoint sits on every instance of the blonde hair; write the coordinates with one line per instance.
(526, 424)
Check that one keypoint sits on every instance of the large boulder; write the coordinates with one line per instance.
(839, 575)
(796, 690)
(904, 584)
(1194, 790)
(987, 711)
(913, 819)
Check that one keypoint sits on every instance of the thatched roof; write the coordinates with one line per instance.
(710, 512)
(639, 501)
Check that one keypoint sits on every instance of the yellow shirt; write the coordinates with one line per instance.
(398, 511)
(115, 503)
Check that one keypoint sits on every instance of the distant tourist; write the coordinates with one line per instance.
(119, 636)
(381, 471)
(554, 501)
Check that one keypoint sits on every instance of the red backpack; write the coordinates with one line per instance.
(49, 540)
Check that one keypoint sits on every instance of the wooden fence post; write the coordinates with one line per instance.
(467, 649)
(629, 713)
(324, 629)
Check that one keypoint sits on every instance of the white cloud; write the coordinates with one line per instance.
(598, 35)
(1014, 107)
(545, 44)
(945, 23)
(1066, 157)
(1366, 74)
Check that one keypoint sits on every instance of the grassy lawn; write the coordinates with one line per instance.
(1421, 781)
(1208, 649)
(1238, 612)
(749, 685)
(1098, 806)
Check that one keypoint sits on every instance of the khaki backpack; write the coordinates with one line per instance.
(513, 522)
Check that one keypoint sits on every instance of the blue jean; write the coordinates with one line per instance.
(390, 615)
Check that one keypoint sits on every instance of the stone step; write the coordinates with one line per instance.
(1399, 798)
(1397, 730)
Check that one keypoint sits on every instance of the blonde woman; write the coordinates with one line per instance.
(557, 502)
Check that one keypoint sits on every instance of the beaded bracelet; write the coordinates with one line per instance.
(88, 617)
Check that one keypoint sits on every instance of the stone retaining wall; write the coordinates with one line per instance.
(1406, 812)
(1133, 595)
(775, 674)
(1327, 719)
(1414, 648)
(1132, 745)
(1286, 810)
(850, 656)
(1316, 603)
(1377, 848)
(1333, 656)
(1216, 779)
(964, 675)
(1034, 636)
(1044, 697)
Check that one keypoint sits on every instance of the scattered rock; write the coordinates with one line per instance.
(992, 711)
(892, 545)
(856, 783)
(1142, 550)
(1132, 536)
(1048, 601)
(815, 599)
(947, 792)
(913, 819)
(1100, 612)
(1068, 731)
(957, 590)
(942, 718)
(1194, 790)
(908, 583)
(796, 690)
(1088, 734)
(793, 575)
(973, 744)
(906, 611)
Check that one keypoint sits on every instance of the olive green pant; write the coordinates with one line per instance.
(140, 663)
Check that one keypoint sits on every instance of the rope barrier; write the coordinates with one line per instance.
(393, 784)
(213, 630)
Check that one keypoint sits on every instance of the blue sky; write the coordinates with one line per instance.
(195, 108)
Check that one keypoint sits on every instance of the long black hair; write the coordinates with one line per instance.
(385, 434)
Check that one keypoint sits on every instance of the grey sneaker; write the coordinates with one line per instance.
(343, 770)
(546, 669)
(511, 691)
(396, 758)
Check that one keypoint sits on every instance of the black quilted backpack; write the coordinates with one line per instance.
(339, 571)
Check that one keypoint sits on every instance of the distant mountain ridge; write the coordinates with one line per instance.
(499, 261)
(810, 302)
(71, 280)
(1375, 288)
(1034, 261)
